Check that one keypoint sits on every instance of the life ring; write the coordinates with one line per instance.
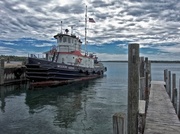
(78, 60)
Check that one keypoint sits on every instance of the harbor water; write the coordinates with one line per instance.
(79, 108)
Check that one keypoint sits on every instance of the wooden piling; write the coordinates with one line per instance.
(165, 75)
(146, 65)
(179, 101)
(166, 78)
(175, 100)
(133, 88)
(149, 68)
(2, 72)
(141, 116)
(169, 84)
(142, 88)
(3, 103)
(147, 82)
(141, 66)
(119, 123)
(173, 88)
(146, 90)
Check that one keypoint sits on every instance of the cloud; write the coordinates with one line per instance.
(112, 57)
(153, 24)
(11, 51)
(43, 45)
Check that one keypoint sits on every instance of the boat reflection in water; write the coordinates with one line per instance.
(65, 102)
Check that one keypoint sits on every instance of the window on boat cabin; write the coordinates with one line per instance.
(69, 40)
(75, 41)
(64, 39)
(72, 40)
(59, 40)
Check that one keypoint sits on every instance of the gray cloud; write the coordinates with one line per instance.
(69, 9)
(143, 21)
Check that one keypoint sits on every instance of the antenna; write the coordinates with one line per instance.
(61, 26)
(71, 28)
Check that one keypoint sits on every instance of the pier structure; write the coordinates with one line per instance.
(156, 108)
(11, 72)
(161, 117)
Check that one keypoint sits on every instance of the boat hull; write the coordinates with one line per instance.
(43, 70)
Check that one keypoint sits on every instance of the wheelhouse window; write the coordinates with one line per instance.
(64, 39)
(59, 40)
(69, 40)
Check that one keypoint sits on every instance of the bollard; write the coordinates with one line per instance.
(133, 88)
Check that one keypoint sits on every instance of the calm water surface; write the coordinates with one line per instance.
(81, 108)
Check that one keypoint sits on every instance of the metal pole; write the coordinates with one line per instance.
(85, 29)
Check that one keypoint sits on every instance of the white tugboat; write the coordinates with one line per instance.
(64, 61)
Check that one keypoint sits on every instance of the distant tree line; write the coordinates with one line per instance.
(152, 61)
(173, 61)
(13, 58)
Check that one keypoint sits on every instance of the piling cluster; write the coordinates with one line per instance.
(139, 77)
(172, 90)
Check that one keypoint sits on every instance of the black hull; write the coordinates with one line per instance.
(42, 70)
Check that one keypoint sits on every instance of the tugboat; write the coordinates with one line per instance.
(64, 61)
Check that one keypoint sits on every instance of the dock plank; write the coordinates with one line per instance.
(161, 117)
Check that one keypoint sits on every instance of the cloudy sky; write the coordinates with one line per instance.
(28, 26)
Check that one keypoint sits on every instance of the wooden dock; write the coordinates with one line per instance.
(158, 100)
(161, 117)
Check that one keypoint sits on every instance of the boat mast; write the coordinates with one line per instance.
(61, 26)
(86, 29)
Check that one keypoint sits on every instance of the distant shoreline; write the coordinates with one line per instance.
(152, 61)
(18, 58)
